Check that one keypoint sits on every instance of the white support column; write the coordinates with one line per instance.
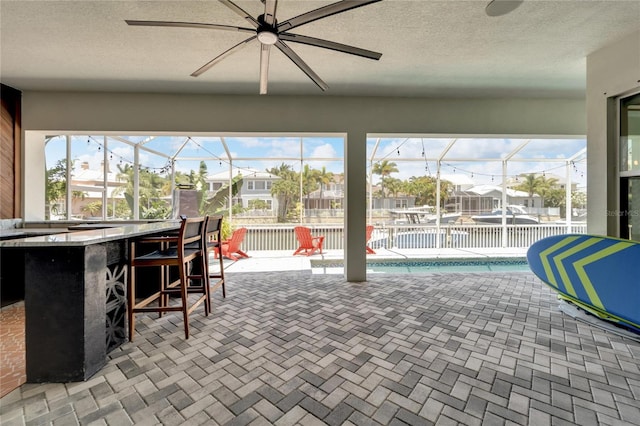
(373, 155)
(568, 206)
(136, 182)
(371, 192)
(504, 205)
(229, 157)
(355, 206)
(105, 178)
(438, 187)
(173, 187)
(230, 197)
(69, 192)
(34, 175)
(568, 203)
(301, 187)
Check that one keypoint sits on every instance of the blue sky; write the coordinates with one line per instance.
(266, 152)
(546, 156)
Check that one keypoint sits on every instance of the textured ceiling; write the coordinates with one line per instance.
(429, 47)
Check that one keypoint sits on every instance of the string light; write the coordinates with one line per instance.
(426, 162)
(141, 167)
(171, 162)
(396, 149)
(221, 160)
(541, 172)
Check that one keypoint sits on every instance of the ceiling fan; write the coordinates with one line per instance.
(269, 32)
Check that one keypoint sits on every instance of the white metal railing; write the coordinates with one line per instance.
(283, 237)
(468, 236)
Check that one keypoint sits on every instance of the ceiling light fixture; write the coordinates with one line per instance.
(267, 37)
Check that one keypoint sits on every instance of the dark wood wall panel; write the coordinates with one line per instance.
(10, 153)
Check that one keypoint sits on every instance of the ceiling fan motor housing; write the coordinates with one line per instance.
(267, 34)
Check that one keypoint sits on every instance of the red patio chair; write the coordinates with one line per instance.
(308, 243)
(369, 232)
(231, 247)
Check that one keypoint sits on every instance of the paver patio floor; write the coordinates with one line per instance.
(290, 348)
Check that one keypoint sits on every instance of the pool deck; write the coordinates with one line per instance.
(282, 260)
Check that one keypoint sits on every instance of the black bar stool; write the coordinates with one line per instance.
(213, 242)
(188, 247)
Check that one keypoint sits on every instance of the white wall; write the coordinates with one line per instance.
(611, 71)
(353, 117)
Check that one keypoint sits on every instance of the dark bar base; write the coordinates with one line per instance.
(11, 276)
(75, 276)
(74, 288)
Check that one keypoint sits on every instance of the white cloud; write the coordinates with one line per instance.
(324, 151)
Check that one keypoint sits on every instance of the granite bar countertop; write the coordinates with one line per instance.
(12, 233)
(96, 236)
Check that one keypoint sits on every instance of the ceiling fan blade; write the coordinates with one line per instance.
(312, 41)
(301, 64)
(501, 7)
(323, 12)
(237, 9)
(270, 11)
(188, 25)
(264, 67)
(221, 56)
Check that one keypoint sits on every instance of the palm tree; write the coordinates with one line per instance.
(324, 178)
(56, 179)
(93, 208)
(285, 190)
(215, 203)
(384, 168)
(309, 181)
(546, 187)
(424, 188)
(529, 184)
(539, 185)
(149, 191)
(395, 186)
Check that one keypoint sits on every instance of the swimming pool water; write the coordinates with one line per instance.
(413, 266)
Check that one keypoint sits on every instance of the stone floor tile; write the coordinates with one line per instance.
(477, 348)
